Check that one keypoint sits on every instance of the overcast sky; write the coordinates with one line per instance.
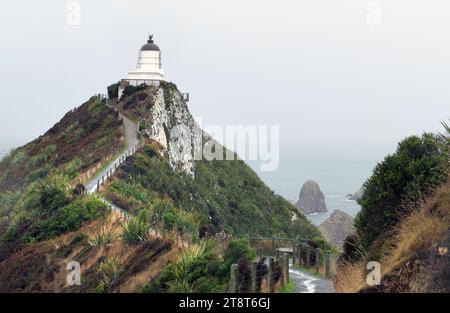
(321, 69)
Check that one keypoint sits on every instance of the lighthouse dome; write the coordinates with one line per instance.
(150, 45)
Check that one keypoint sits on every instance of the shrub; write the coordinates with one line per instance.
(113, 90)
(109, 272)
(69, 218)
(103, 237)
(352, 250)
(402, 178)
(135, 231)
(19, 157)
(53, 194)
(238, 248)
(129, 90)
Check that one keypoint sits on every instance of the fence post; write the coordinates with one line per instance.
(271, 278)
(253, 277)
(300, 255)
(286, 268)
(327, 263)
(234, 282)
(293, 253)
(286, 260)
(307, 256)
(283, 271)
(318, 260)
(273, 244)
(98, 185)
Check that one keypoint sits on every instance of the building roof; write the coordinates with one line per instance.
(150, 45)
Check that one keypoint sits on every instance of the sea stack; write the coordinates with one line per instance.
(311, 199)
(337, 227)
(357, 195)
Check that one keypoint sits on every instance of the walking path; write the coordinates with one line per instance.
(131, 141)
(307, 283)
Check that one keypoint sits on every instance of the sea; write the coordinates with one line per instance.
(339, 169)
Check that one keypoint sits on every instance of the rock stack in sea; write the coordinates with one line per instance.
(311, 199)
(337, 227)
(357, 195)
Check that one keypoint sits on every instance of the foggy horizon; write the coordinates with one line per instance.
(297, 65)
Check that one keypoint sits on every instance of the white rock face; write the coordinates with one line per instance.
(173, 126)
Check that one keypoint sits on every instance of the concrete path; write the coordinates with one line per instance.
(307, 283)
(131, 139)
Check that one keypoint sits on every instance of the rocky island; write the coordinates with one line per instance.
(337, 227)
(356, 196)
(311, 199)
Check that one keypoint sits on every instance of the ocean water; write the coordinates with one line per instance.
(338, 168)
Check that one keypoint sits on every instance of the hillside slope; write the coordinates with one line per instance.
(47, 218)
(228, 194)
(416, 259)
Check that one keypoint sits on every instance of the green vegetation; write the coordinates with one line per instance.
(103, 237)
(130, 90)
(52, 210)
(135, 230)
(43, 197)
(113, 91)
(288, 288)
(36, 202)
(400, 181)
(92, 126)
(200, 268)
(228, 194)
(109, 272)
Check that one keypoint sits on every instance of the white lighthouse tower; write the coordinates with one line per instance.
(149, 67)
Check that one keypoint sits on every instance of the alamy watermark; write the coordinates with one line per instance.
(73, 17)
(73, 278)
(373, 278)
(251, 143)
(373, 15)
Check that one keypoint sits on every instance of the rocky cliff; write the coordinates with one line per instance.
(337, 227)
(165, 118)
(227, 195)
(311, 199)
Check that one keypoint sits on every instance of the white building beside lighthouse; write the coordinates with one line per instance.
(149, 67)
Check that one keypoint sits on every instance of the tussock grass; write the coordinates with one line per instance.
(135, 231)
(416, 233)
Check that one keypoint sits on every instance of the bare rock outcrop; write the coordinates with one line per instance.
(357, 195)
(337, 227)
(311, 199)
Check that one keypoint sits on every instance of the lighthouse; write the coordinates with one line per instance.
(149, 66)
(148, 70)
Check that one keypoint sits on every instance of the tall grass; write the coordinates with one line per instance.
(109, 272)
(414, 235)
(135, 231)
(104, 237)
(183, 265)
